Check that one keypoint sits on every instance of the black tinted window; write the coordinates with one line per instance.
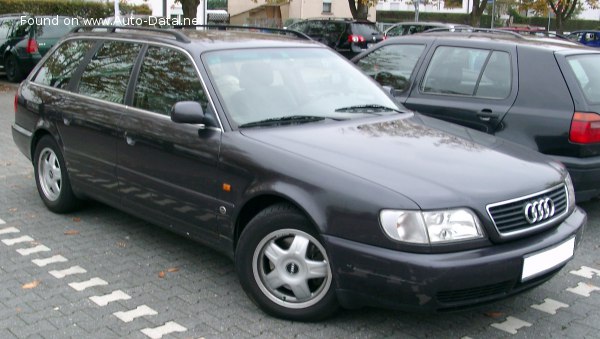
(58, 69)
(107, 75)
(167, 76)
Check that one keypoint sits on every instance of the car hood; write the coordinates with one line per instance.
(434, 163)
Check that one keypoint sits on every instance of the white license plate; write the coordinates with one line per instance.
(538, 263)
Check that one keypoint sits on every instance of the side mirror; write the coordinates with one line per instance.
(188, 112)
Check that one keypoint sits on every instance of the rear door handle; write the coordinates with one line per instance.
(129, 140)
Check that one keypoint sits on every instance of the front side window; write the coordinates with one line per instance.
(392, 65)
(60, 66)
(587, 71)
(468, 72)
(167, 76)
(396, 31)
(5, 26)
(107, 75)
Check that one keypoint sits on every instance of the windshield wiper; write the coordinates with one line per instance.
(294, 119)
(368, 109)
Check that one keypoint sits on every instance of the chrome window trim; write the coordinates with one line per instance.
(536, 227)
(22, 130)
(149, 43)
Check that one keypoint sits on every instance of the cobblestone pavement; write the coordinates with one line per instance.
(103, 274)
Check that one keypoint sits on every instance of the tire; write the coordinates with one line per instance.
(12, 69)
(276, 277)
(51, 177)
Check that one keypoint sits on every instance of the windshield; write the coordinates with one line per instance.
(309, 84)
(587, 71)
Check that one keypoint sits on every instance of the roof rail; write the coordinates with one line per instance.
(279, 31)
(113, 29)
(474, 30)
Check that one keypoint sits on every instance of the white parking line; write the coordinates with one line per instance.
(549, 306)
(82, 285)
(10, 242)
(511, 325)
(8, 230)
(103, 300)
(586, 272)
(140, 311)
(583, 289)
(48, 261)
(32, 250)
(167, 328)
(2, 222)
(69, 271)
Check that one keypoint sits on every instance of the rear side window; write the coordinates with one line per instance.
(60, 66)
(53, 31)
(468, 72)
(167, 76)
(392, 65)
(107, 75)
(5, 26)
(587, 71)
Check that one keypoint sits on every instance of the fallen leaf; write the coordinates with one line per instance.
(494, 314)
(121, 244)
(31, 285)
(18, 309)
(12, 210)
(173, 269)
(71, 232)
(161, 274)
(76, 219)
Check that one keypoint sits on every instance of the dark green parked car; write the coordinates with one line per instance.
(25, 39)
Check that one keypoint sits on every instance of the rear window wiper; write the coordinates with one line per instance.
(294, 119)
(368, 109)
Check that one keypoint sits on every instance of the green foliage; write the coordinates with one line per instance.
(460, 18)
(217, 4)
(76, 8)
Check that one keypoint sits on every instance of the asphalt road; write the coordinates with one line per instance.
(101, 273)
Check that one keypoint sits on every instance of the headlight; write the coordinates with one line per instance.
(570, 192)
(432, 226)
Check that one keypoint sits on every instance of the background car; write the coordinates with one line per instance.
(407, 28)
(588, 38)
(23, 44)
(547, 101)
(347, 36)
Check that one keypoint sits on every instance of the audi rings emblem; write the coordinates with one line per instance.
(539, 210)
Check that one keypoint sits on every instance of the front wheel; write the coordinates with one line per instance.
(51, 177)
(283, 266)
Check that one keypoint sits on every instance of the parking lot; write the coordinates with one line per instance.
(101, 273)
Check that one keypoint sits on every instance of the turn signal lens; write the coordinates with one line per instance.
(585, 128)
(16, 101)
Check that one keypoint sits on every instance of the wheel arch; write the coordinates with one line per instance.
(258, 202)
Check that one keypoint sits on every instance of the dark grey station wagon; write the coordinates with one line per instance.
(282, 155)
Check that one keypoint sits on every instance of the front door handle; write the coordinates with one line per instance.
(486, 115)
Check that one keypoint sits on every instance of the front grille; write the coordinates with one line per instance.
(474, 293)
(509, 217)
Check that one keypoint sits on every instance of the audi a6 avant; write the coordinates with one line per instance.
(282, 155)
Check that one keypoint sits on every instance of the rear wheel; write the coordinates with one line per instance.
(283, 266)
(12, 69)
(52, 178)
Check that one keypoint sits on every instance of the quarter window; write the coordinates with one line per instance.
(107, 75)
(167, 76)
(468, 72)
(392, 65)
(60, 66)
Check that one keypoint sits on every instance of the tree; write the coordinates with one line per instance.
(562, 9)
(360, 8)
(477, 10)
(189, 7)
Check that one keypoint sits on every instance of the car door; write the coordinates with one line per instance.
(90, 117)
(168, 171)
(466, 84)
(5, 30)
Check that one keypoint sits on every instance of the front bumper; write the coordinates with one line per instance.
(366, 275)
